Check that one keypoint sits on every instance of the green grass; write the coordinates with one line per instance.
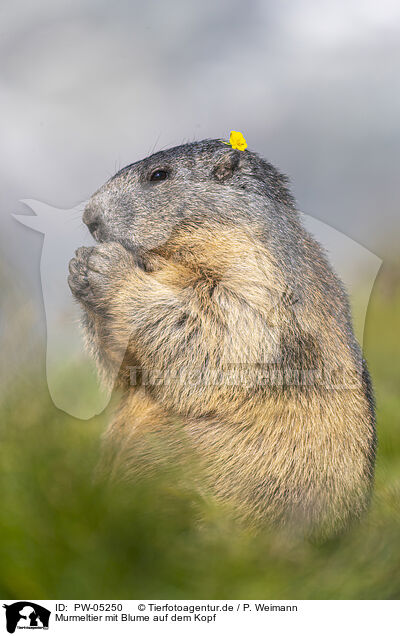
(62, 536)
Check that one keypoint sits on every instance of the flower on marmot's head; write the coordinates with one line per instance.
(236, 140)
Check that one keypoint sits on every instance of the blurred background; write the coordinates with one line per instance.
(90, 86)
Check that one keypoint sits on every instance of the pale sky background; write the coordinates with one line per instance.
(89, 86)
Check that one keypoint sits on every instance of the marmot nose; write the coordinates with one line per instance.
(91, 218)
(93, 226)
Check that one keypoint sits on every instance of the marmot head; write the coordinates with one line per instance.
(142, 204)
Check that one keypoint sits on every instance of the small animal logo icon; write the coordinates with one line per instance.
(26, 615)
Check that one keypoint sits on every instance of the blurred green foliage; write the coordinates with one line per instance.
(63, 536)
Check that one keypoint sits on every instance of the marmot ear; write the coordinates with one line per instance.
(226, 166)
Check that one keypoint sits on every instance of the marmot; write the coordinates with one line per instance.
(205, 275)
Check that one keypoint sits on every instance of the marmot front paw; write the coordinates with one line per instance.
(91, 270)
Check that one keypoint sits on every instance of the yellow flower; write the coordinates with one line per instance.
(236, 140)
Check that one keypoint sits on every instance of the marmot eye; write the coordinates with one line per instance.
(159, 175)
